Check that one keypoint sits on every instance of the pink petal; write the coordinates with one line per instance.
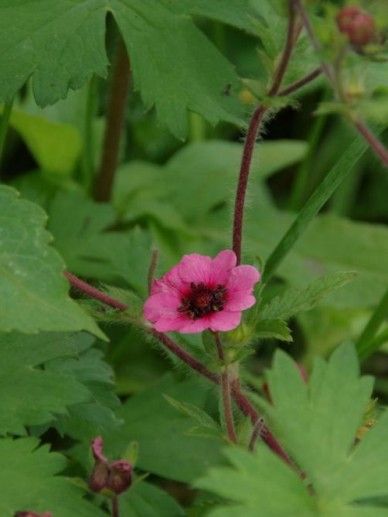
(224, 320)
(222, 265)
(170, 324)
(171, 281)
(195, 326)
(161, 305)
(97, 446)
(239, 300)
(195, 268)
(243, 278)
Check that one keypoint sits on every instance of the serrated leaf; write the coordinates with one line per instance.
(33, 290)
(294, 300)
(257, 483)
(174, 65)
(272, 329)
(317, 423)
(29, 480)
(33, 391)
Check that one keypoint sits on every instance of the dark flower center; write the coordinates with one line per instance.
(203, 300)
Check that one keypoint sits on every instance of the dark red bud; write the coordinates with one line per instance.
(99, 477)
(115, 476)
(32, 514)
(358, 25)
(120, 476)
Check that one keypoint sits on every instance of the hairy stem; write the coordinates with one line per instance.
(114, 123)
(115, 506)
(186, 357)
(331, 73)
(250, 141)
(380, 314)
(4, 122)
(225, 391)
(94, 293)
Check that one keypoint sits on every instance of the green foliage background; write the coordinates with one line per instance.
(71, 369)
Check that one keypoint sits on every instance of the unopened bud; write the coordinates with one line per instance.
(358, 25)
(115, 476)
(120, 476)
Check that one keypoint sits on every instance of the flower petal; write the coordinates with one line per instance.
(195, 326)
(222, 265)
(240, 300)
(161, 305)
(224, 320)
(171, 281)
(170, 324)
(195, 268)
(243, 278)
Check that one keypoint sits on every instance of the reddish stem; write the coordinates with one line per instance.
(94, 293)
(377, 147)
(253, 130)
(245, 167)
(114, 124)
(226, 391)
(115, 506)
(291, 88)
(187, 358)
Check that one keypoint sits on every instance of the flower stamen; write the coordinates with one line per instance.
(203, 300)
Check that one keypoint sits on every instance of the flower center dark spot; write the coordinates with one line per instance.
(203, 300)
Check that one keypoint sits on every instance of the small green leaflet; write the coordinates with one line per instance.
(296, 300)
(61, 45)
(317, 424)
(29, 480)
(272, 329)
(33, 291)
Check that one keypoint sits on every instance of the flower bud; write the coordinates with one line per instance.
(120, 476)
(115, 476)
(32, 514)
(357, 24)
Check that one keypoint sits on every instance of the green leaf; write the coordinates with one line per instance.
(33, 290)
(29, 481)
(294, 300)
(317, 424)
(197, 414)
(96, 415)
(55, 146)
(272, 329)
(60, 43)
(174, 65)
(145, 499)
(148, 414)
(51, 369)
(257, 482)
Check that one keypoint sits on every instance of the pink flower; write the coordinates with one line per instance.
(202, 293)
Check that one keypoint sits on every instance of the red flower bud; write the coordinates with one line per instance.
(357, 24)
(120, 476)
(115, 476)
